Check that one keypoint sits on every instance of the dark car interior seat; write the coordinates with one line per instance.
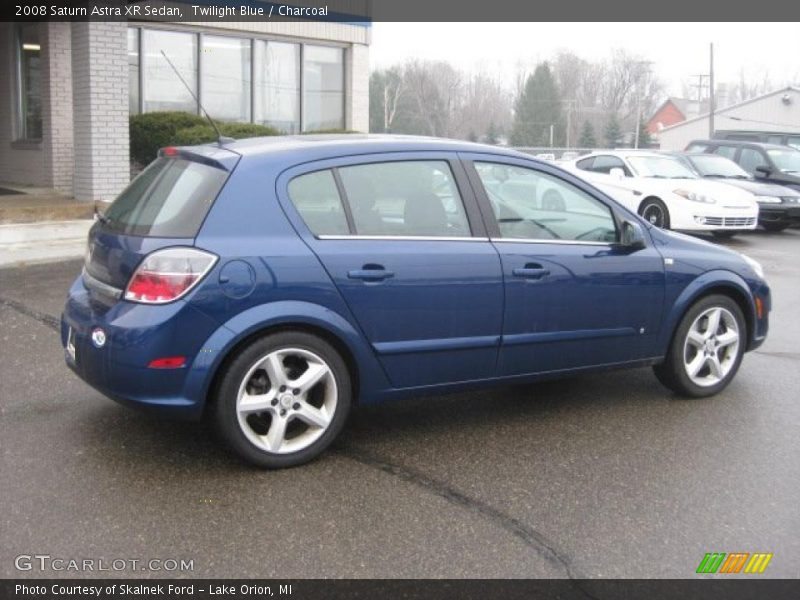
(424, 214)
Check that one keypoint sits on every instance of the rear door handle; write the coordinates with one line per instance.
(370, 273)
(531, 271)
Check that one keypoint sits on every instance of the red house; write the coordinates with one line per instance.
(674, 110)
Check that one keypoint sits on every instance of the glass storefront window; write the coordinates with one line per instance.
(30, 83)
(277, 85)
(163, 89)
(225, 77)
(323, 88)
(290, 86)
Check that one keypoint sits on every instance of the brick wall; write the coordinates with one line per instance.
(100, 109)
(357, 94)
(57, 155)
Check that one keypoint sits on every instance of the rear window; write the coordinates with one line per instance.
(170, 198)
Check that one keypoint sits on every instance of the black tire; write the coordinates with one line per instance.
(672, 372)
(225, 398)
(655, 212)
(723, 235)
(775, 227)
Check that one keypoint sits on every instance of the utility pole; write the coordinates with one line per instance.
(552, 127)
(700, 85)
(569, 121)
(711, 92)
(639, 92)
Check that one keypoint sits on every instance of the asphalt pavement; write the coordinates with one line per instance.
(606, 475)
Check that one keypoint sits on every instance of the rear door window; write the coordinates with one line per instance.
(405, 198)
(170, 198)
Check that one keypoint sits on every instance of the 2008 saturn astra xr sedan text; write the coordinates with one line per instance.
(272, 283)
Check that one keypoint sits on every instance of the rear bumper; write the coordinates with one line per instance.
(134, 335)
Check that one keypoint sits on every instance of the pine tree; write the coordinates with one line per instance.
(536, 109)
(613, 132)
(587, 139)
(645, 139)
(492, 135)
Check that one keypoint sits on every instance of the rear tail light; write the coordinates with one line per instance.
(166, 275)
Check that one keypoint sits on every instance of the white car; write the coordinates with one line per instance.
(667, 193)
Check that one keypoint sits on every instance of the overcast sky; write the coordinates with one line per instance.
(678, 50)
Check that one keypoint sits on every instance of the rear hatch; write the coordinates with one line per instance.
(165, 205)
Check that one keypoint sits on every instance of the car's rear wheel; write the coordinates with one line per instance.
(706, 350)
(283, 399)
(655, 212)
(775, 227)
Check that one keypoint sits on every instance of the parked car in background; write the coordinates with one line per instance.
(667, 193)
(764, 137)
(269, 284)
(779, 206)
(766, 162)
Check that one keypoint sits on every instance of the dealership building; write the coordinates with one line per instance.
(67, 89)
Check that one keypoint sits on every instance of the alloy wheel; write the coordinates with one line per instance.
(711, 346)
(654, 215)
(286, 400)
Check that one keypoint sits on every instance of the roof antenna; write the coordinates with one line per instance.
(221, 139)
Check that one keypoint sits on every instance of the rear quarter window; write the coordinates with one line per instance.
(170, 198)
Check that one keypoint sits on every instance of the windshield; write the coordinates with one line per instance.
(787, 160)
(170, 198)
(718, 166)
(661, 167)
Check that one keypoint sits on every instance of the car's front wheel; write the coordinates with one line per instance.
(655, 212)
(706, 350)
(283, 399)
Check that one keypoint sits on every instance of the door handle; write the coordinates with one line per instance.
(370, 273)
(531, 271)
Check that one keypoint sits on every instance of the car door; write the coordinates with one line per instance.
(402, 239)
(574, 297)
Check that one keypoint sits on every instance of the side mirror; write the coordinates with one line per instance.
(632, 235)
(617, 173)
(763, 170)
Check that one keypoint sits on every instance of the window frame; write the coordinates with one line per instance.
(493, 227)
(461, 180)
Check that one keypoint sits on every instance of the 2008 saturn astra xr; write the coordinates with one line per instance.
(272, 283)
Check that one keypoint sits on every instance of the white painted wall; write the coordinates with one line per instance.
(769, 113)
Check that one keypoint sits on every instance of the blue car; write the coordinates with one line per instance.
(270, 284)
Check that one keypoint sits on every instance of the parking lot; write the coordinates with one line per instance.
(604, 475)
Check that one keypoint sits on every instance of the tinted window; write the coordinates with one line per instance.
(529, 204)
(793, 141)
(411, 198)
(749, 159)
(726, 151)
(585, 164)
(786, 160)
(775, 139)
(604, 164)
(170, 198)
(317, 200)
